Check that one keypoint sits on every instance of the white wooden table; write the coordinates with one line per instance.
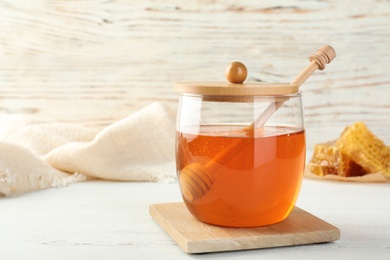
(110, 220)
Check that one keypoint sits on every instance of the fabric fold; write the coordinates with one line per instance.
(39, 154)
(22, 171)
(137, 148)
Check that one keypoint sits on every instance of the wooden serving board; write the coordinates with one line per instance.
(194, 236)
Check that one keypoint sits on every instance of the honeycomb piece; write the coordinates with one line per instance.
(327, 159)
(349, 168)
(359, 144)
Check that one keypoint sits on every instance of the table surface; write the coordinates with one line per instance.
(102, 219)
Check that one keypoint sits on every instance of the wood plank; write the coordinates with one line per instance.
(95, 62)
(196, 237)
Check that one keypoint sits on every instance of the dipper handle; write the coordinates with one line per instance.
(325, 54)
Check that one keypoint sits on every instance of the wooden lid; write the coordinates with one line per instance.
(231, 89)
(236, 74)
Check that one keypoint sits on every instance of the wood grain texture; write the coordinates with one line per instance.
(94, 62)
(193, 236)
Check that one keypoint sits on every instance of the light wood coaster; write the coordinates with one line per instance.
(194, 236)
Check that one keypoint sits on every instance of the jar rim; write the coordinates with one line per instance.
(244, 99)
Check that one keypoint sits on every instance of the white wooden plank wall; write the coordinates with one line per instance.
(95, 61)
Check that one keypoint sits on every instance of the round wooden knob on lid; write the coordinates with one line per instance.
(236, 72)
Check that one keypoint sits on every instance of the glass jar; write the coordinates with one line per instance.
(240, 151)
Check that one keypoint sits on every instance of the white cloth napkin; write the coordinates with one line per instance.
(39, 154)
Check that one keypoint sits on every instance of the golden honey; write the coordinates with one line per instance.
(256, 184)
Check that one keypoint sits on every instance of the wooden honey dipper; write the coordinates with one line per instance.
(197, 179)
